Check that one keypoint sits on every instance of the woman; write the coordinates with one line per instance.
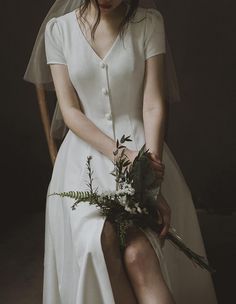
(108, 87)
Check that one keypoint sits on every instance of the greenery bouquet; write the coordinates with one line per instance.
(134, 200)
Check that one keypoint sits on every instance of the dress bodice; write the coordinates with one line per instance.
(110, 89)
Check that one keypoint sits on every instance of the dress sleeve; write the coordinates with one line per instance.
(154, 42)
(53, 43)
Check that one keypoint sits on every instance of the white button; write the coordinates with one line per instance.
(108, 116)
(104, 91)
(102, 65)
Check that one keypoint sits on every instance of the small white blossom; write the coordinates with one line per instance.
(127, 188)
(139, 210)
(108, 194)
(123, 200)
(127, 208)
(100, 199)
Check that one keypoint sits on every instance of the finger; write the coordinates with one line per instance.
(157, 160)
(159, 174)
(158, 171)
(154, 158)
(157, 166)
(164, 231)
(166, 227)
(161, 240)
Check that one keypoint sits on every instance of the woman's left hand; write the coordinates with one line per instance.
(165, 212)
(157, 165)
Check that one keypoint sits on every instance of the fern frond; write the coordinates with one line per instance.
(77, 195)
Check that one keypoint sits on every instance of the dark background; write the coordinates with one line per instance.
(201, 135)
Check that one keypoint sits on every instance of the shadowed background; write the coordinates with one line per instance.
(201, 135)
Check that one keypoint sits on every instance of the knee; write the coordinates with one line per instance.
(139, 254)
(136, 253)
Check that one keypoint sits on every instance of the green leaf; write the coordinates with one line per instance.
(122, 140)
(128, 138)
(115, 152)
(121, 146)
(122, 153)
(126, 163)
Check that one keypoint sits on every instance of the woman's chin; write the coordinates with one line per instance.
(105, 8)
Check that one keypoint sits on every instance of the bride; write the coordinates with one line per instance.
(106, 88)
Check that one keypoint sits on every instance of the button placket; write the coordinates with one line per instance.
(108, 116)
(105, 91)
(107, 102)
(102, 65)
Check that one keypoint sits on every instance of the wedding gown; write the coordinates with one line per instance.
(110, 91)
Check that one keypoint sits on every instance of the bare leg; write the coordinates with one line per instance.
(121, 287)
(144, 270)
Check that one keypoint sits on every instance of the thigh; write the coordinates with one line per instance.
(109, 239)
(108, 232)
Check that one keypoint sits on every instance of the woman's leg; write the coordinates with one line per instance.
(144, 270)
(121, 287)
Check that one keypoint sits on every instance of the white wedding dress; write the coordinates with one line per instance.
(110, 91)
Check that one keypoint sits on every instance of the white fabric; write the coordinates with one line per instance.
(110, 90)
(38, 72)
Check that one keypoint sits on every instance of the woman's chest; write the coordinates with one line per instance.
(122, 60)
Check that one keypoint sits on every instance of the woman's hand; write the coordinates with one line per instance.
(163, 209)
(164, 212)
(157, 165)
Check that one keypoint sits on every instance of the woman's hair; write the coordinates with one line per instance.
(132, 7)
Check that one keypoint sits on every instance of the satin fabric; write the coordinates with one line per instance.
(110, 91)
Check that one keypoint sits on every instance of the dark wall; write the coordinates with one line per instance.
(201, 129)
(25, 163)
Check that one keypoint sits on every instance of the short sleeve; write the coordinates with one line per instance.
(53, 43)
(154, 42)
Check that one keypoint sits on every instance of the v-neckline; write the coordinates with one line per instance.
(89, 45)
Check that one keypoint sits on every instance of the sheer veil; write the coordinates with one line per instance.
(38, 72)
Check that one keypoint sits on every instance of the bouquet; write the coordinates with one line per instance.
(134, 200)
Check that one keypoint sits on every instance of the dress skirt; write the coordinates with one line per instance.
(75, 270)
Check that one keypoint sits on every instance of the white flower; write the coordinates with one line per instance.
(139, 210)
(127, 208)
(123, 200)
(133, 211)
(100, 199)
(109, 194)
(127, 188)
